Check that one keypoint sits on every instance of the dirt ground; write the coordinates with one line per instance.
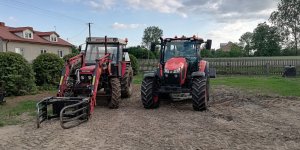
(235, 120)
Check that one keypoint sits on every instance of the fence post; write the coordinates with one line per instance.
(267, 68)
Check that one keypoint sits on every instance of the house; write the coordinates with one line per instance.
(30, 43)
(226, 47)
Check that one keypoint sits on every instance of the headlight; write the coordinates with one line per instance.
(82, 77)
(166, 70)
(90, 77)
(177, 70)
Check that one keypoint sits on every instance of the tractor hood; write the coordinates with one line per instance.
(87, 69)
(175, 63)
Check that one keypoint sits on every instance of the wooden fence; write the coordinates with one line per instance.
(240, 66)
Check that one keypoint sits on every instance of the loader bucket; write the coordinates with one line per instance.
(71, 111)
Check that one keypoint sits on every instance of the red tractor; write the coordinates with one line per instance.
(181, 70)
(102, 70)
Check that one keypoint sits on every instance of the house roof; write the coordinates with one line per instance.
(46, 33)
(7, 33)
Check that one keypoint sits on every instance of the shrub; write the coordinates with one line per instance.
(47, 68)
(141, 53)
(17, 74)
(66, 57)
(135, 64)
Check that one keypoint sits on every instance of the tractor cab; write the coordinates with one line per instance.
(181, 50)
(179, 58)
(98, 47)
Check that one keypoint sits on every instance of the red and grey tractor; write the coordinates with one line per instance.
(181, 70)
(102, 70)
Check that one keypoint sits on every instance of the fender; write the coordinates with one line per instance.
(202, 65)
(198, 74)
(150, 75)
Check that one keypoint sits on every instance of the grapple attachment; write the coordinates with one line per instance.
(71, 111)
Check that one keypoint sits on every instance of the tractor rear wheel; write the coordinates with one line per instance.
(200, 94)
(126, 83)
(115, 93)
(148, 92)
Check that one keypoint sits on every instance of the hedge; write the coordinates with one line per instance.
(66, 57)
(17, 74)
(47, 68)
(141, 53)
(135, 64)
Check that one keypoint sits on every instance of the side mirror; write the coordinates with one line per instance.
(125, 50)
(208, 44)
(152, 48)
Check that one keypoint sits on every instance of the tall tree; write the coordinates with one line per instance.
(245, 42)
(287, 18)
(266, 40)
(151, 34)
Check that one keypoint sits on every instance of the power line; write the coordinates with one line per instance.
(85, 29)
(23, 6)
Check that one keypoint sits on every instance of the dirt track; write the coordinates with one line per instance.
(235, 120)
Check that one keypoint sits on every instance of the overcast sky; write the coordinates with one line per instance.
(219, 20)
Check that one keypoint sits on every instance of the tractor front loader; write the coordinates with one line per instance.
(88, 77)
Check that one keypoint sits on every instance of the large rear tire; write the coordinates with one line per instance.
(148, 93)
(126, 83)
(200, 94)
(115, 93)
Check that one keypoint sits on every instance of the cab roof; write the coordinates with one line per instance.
(110, 40)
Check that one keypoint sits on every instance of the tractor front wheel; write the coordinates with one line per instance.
(148, 93)
(126, 83)
(200, 94)
(115, 93)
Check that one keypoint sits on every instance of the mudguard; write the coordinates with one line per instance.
(150, 75)
(198, 74)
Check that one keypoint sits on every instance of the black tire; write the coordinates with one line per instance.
(149, 96)
(126, 83)
(115, 93)
(200, 94)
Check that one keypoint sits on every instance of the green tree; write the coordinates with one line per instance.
(287, 18)
(151, 34)
(245, 42)
(236, 51)
(75, 50)
(266, 40)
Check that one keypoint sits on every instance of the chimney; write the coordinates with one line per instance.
(2, 24)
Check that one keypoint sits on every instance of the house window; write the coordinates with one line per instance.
(43, 51)
(60, 53)
(53, 38)
(19, 50)
(28, 35)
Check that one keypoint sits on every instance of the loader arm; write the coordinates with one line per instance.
(96, 78)
(76, 61)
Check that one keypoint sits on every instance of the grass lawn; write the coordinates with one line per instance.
(273, 85)
(277, 85)
(11, 114)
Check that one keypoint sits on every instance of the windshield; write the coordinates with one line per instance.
(96, 51)
(180, 49)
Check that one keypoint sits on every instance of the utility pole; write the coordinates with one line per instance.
(90, 29)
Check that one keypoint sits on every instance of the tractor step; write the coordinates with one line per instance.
(71, 111)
